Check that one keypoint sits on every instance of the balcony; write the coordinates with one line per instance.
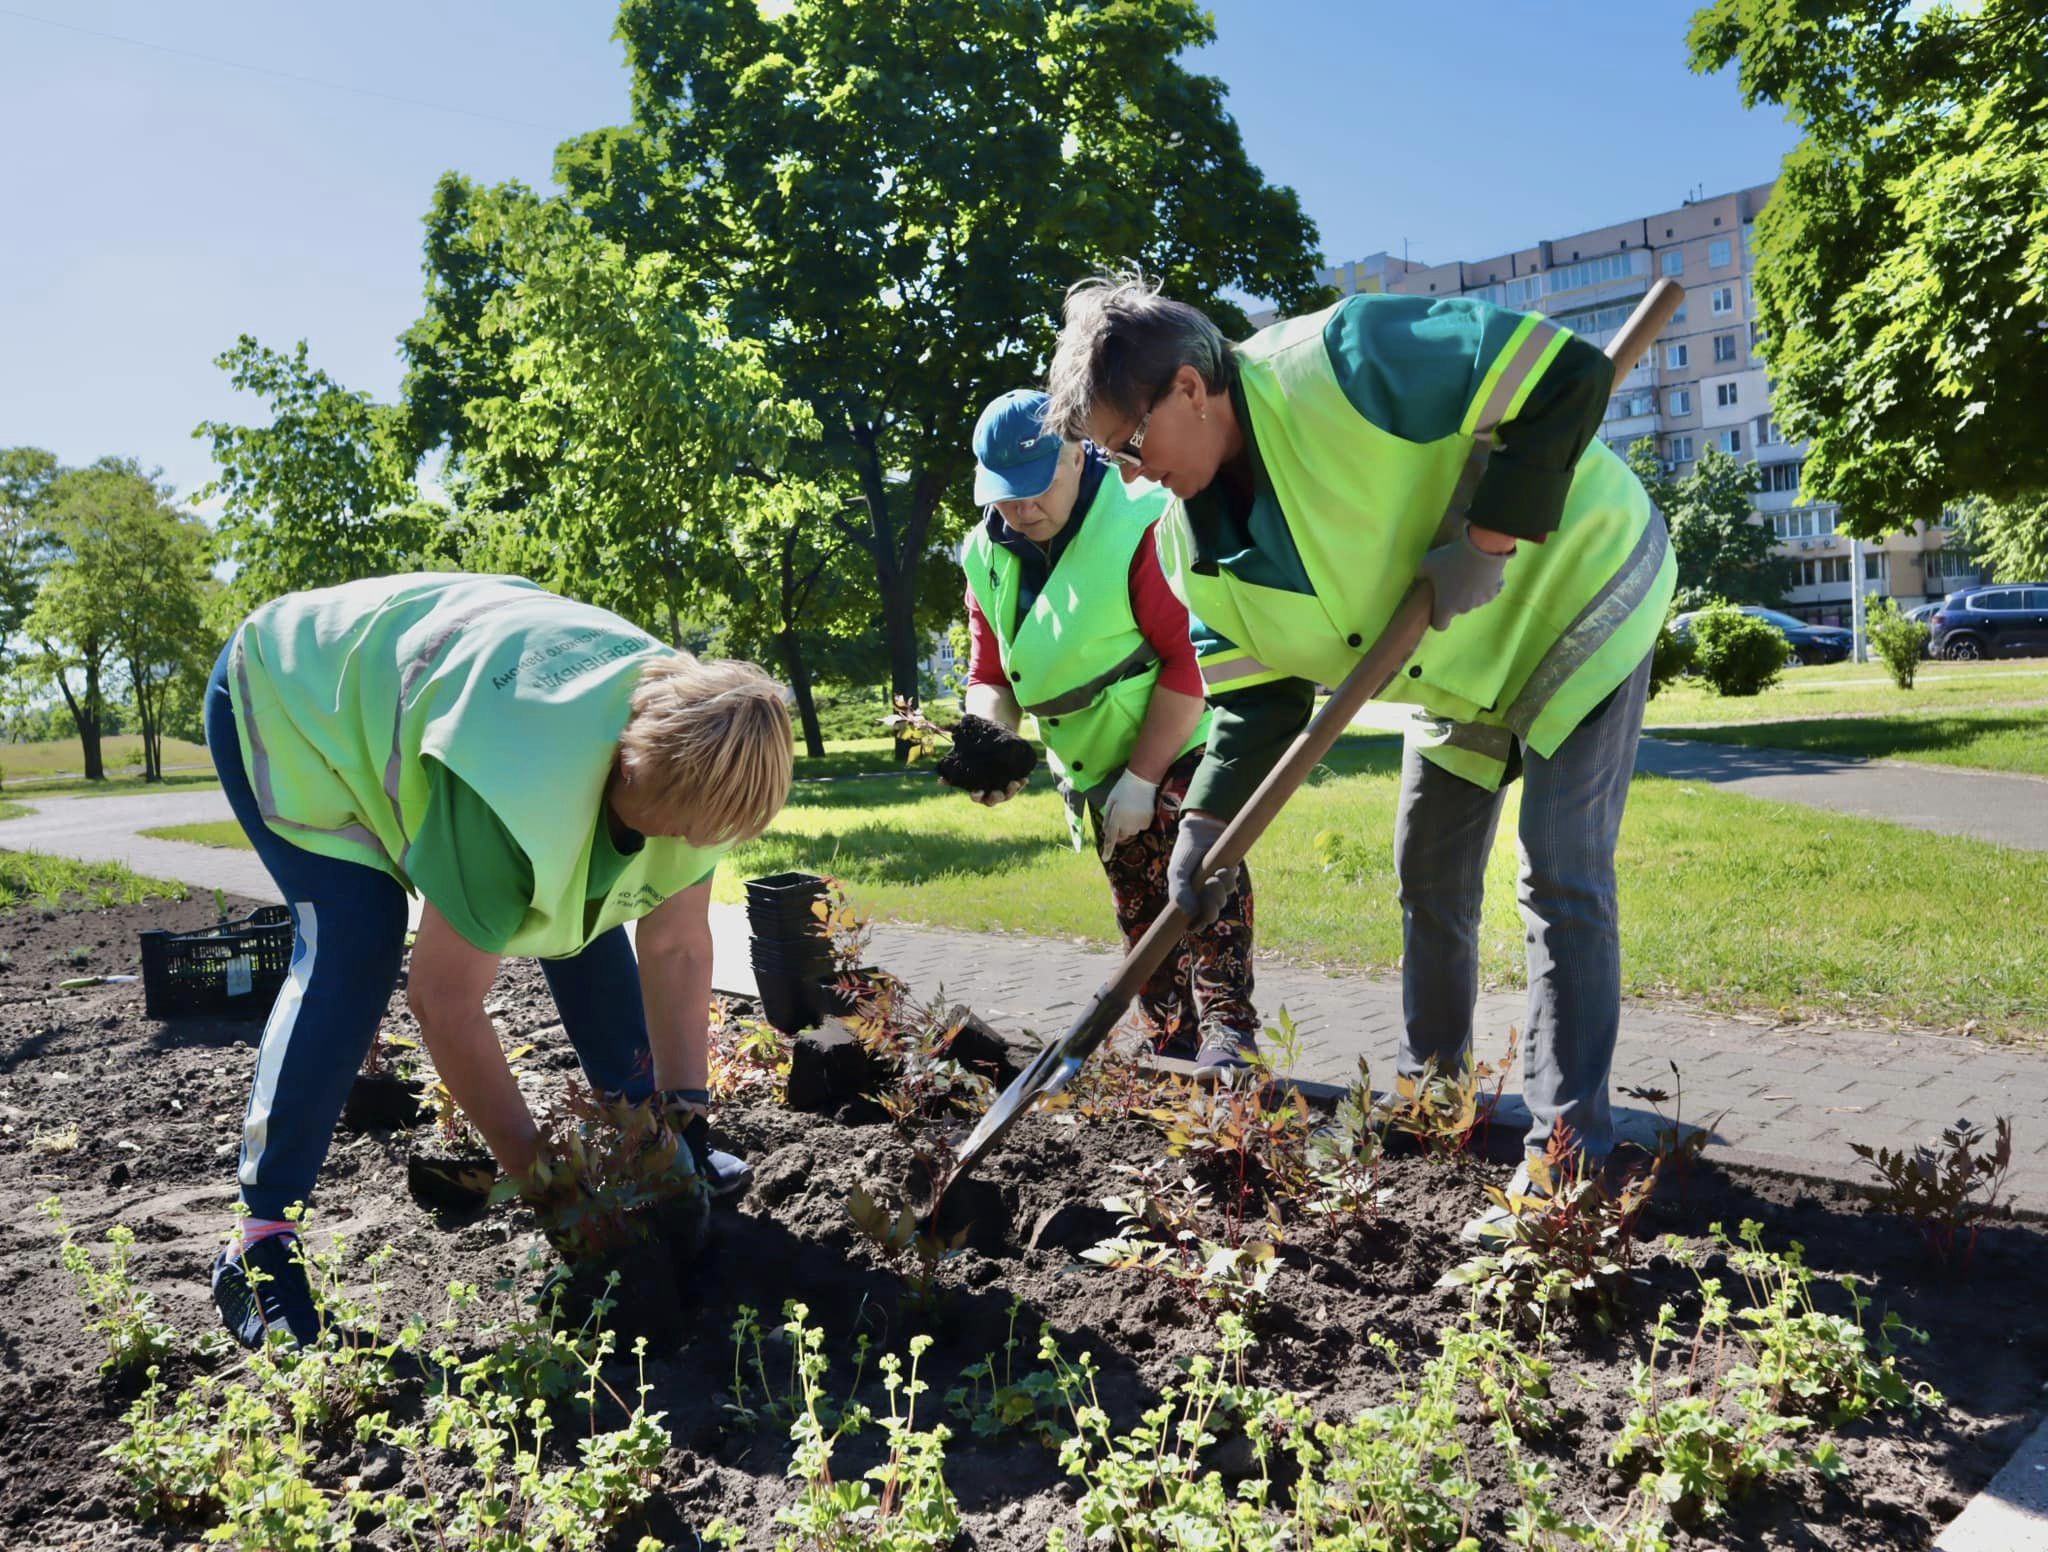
(1624, 429)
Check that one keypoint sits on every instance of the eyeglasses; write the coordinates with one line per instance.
(1128, 454)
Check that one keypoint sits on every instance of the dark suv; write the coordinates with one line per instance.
(2003, 619)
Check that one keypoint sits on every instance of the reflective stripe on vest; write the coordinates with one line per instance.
(1082, 696)
(1604, 614)
(1235, 670)
(1515, 371)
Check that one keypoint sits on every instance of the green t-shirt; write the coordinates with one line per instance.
(468, 866)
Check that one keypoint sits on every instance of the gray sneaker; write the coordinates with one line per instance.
(1226, 1050)
(1491, 1226)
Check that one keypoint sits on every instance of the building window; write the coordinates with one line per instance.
(1719, 253)
(1680, 449)
(1766, 431)
(1756, 337)
(1724, 347)
(1724, 300)
(1729, 441)
(1677, 356)
(1679, 315)
(1674, 262)
(1877, 567)
(1680, 401)
(1724, 394)
(1780, 477)
(1835, 569)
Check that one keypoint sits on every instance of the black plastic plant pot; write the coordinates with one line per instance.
(459, 1182)
(647, 1299)
(788, 1003)
(781, 904)
(383, 1102)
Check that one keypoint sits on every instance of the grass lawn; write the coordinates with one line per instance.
(214, 832)
(2009, 739)
(1726, 901)
(127, 784)
(1857, 688)
(64, 757)
(28, 876)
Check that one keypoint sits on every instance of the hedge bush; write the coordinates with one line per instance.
(1738, 653)
(1898, 640)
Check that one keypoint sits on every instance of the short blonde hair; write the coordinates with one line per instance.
(708, 746)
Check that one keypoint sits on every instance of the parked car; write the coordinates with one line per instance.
(1924, 615)
(2003, 619)
(1810, 643)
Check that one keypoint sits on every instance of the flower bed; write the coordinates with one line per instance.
(1336, 1391)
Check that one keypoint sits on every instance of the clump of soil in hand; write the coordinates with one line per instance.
(986, 756)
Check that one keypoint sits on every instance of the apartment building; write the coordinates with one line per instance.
(1703, 385)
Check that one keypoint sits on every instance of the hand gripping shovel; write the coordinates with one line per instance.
(1055, 1066)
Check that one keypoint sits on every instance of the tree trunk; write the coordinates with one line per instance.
(800, 687)
(89, 725)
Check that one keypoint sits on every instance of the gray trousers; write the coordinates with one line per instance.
(1571, 817)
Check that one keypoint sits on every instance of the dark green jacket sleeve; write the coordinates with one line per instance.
(467, 865)
(1251, 731)
(1523, 490)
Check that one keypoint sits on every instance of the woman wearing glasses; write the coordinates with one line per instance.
(1072, 620)
(1321, 467)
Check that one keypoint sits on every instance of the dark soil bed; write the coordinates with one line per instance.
(157, 1110)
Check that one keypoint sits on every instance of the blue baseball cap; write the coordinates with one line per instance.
(1015, 457)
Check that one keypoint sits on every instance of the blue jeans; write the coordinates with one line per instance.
(1572, 804)
(348, 922)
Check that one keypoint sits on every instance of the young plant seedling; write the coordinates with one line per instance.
(1944, 1191)
(1444, 1111)
(914, 1251)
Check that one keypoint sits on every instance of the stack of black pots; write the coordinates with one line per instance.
(792, 957)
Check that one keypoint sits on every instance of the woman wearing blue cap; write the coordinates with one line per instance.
(1072, 620)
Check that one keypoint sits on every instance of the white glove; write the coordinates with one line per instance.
(995, 795)
(1133, 802)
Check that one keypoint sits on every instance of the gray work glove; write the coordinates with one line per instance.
(1461, 576)
(1200, 898)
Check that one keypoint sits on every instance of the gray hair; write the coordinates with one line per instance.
(1119, 346)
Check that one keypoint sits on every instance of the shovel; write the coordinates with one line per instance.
(1055, 1066)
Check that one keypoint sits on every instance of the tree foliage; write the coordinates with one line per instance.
(322, 494)
(122, 605)
(28, 476)
(1902, 279)
(1724, 550)
(892, 198)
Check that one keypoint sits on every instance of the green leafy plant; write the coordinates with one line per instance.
(606, 1173)
(993, 1403)
(1738, 653)
(1671, 658)
(1158, 1232)
(916, 1253)
(122, 1314)
(1566, 1243)
(1677, 1149)
(901, 1505)
(749, 1056)
(1900, 642)
(1946, 1190)
(1343, 1160)
(1822, 1365)
(1444, 1110)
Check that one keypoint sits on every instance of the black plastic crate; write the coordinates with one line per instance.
(232, 967)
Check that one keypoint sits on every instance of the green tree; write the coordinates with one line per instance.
(644, 448)
(27, 475)
(894, 196)
(1902, 268)
(1724, 550)
(322, 494)
(122, 605)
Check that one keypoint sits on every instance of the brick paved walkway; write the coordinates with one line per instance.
(1789, 1099)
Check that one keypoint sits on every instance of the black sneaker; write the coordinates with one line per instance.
(726, 1174)
(277, 1299)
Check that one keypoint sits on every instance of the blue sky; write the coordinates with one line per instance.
(158, 204)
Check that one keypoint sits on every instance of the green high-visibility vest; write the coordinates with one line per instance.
(343, 694)
(1076, 659)
(1576, 615)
